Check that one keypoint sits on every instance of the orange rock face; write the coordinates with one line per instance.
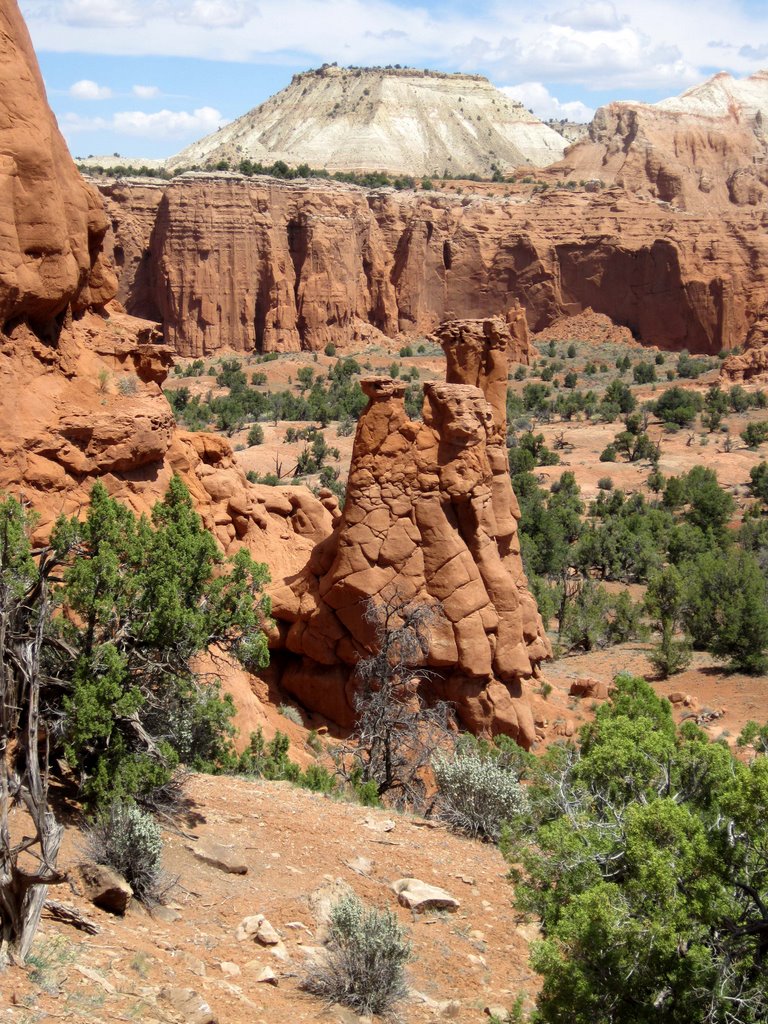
(705, 149)
(92, 408)
(257, 263)
(51, 223)
(751, 365)
(429, 516)
(80, 395)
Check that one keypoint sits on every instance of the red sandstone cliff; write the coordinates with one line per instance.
(80, 395)
(51, 223)
(228, 262)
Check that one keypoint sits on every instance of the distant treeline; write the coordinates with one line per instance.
(279, 169)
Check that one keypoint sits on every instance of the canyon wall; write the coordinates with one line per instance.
(80, 395)
(227, 262)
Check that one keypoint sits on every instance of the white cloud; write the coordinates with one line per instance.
(754, 52)
(145, 92)
(591, 15)
(217, 13)
(168, 122)
(99, 13)
(598, 44)
(85, 89)
(158, 125)
(598, 60)
(536, 97)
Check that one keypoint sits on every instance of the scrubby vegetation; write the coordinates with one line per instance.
(128, 840)
(645, 862)
(364, 963)
(707, 586)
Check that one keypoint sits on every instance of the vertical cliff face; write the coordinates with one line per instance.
(430, 516)
(274, 269)
(227, 262)
(80, 395)
(51, 223)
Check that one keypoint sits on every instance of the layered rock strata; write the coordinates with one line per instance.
(430, 516)
(399, 120)
(233, 263)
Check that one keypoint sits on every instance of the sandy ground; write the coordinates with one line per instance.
(293, 842)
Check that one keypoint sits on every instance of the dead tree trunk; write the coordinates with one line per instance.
(27, 861)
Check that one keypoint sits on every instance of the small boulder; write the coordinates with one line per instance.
(104, 887)
(225, 858)
(266, 935)
(498, 1012)
(419, 896)
(592, 689)
(191, 1006)
(267, 977)
(378, 824)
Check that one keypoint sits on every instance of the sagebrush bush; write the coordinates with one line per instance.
(129, 841)
(477, 795)
(291, 713)
(364, 966)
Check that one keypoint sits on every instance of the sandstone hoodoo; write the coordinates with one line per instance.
(51, 223)
(430, 516)
(244, 264)
(397, 120)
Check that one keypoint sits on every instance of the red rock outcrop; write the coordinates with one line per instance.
(230, 262)
(430, 516)
(751, 365)
(80, 395)
(91, 407)
(705, 149)
(51, 223)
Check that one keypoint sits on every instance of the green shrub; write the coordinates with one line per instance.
(330, 349)
(677, 407)
(476, 795)
(605, 483)
(128, 840)
(755, 434)
(256, 434)
(609, 454)
(758, 482)
(365, 960)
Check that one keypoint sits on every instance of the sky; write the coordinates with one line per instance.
(144, 78)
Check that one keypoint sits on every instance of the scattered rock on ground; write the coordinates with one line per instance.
(225, 858)
(190, 1005)
(104, 887)
(419, 896)
(594, 689)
